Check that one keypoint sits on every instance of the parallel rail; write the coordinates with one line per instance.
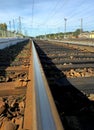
(83, 42)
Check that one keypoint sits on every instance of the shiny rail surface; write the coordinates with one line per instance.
(47, 117)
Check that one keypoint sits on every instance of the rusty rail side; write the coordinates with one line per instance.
(29, 122)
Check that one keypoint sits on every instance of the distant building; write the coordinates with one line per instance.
(86, 35)
(91, 35)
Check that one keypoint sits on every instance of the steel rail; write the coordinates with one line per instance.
(47, 117)
(85, 43)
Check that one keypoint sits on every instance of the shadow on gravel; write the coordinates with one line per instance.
(75, 109)
(7, 56)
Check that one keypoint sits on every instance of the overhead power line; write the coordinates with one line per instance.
(56, 9)
(32, 12)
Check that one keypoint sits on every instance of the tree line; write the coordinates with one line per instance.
(61, 34)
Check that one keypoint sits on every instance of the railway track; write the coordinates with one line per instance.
(70, 74)
(63, 100)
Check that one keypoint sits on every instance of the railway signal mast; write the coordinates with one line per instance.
(65, 27)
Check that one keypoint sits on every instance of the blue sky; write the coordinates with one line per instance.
(47, 16)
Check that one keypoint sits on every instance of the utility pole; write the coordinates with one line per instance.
(13, 25)
(10, 27)
(20, 25)
(65, 27)
(81, 26)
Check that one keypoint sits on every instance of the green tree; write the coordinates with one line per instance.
(3, 26)
(77, 32)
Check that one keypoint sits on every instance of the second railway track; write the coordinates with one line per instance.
(70, 74)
